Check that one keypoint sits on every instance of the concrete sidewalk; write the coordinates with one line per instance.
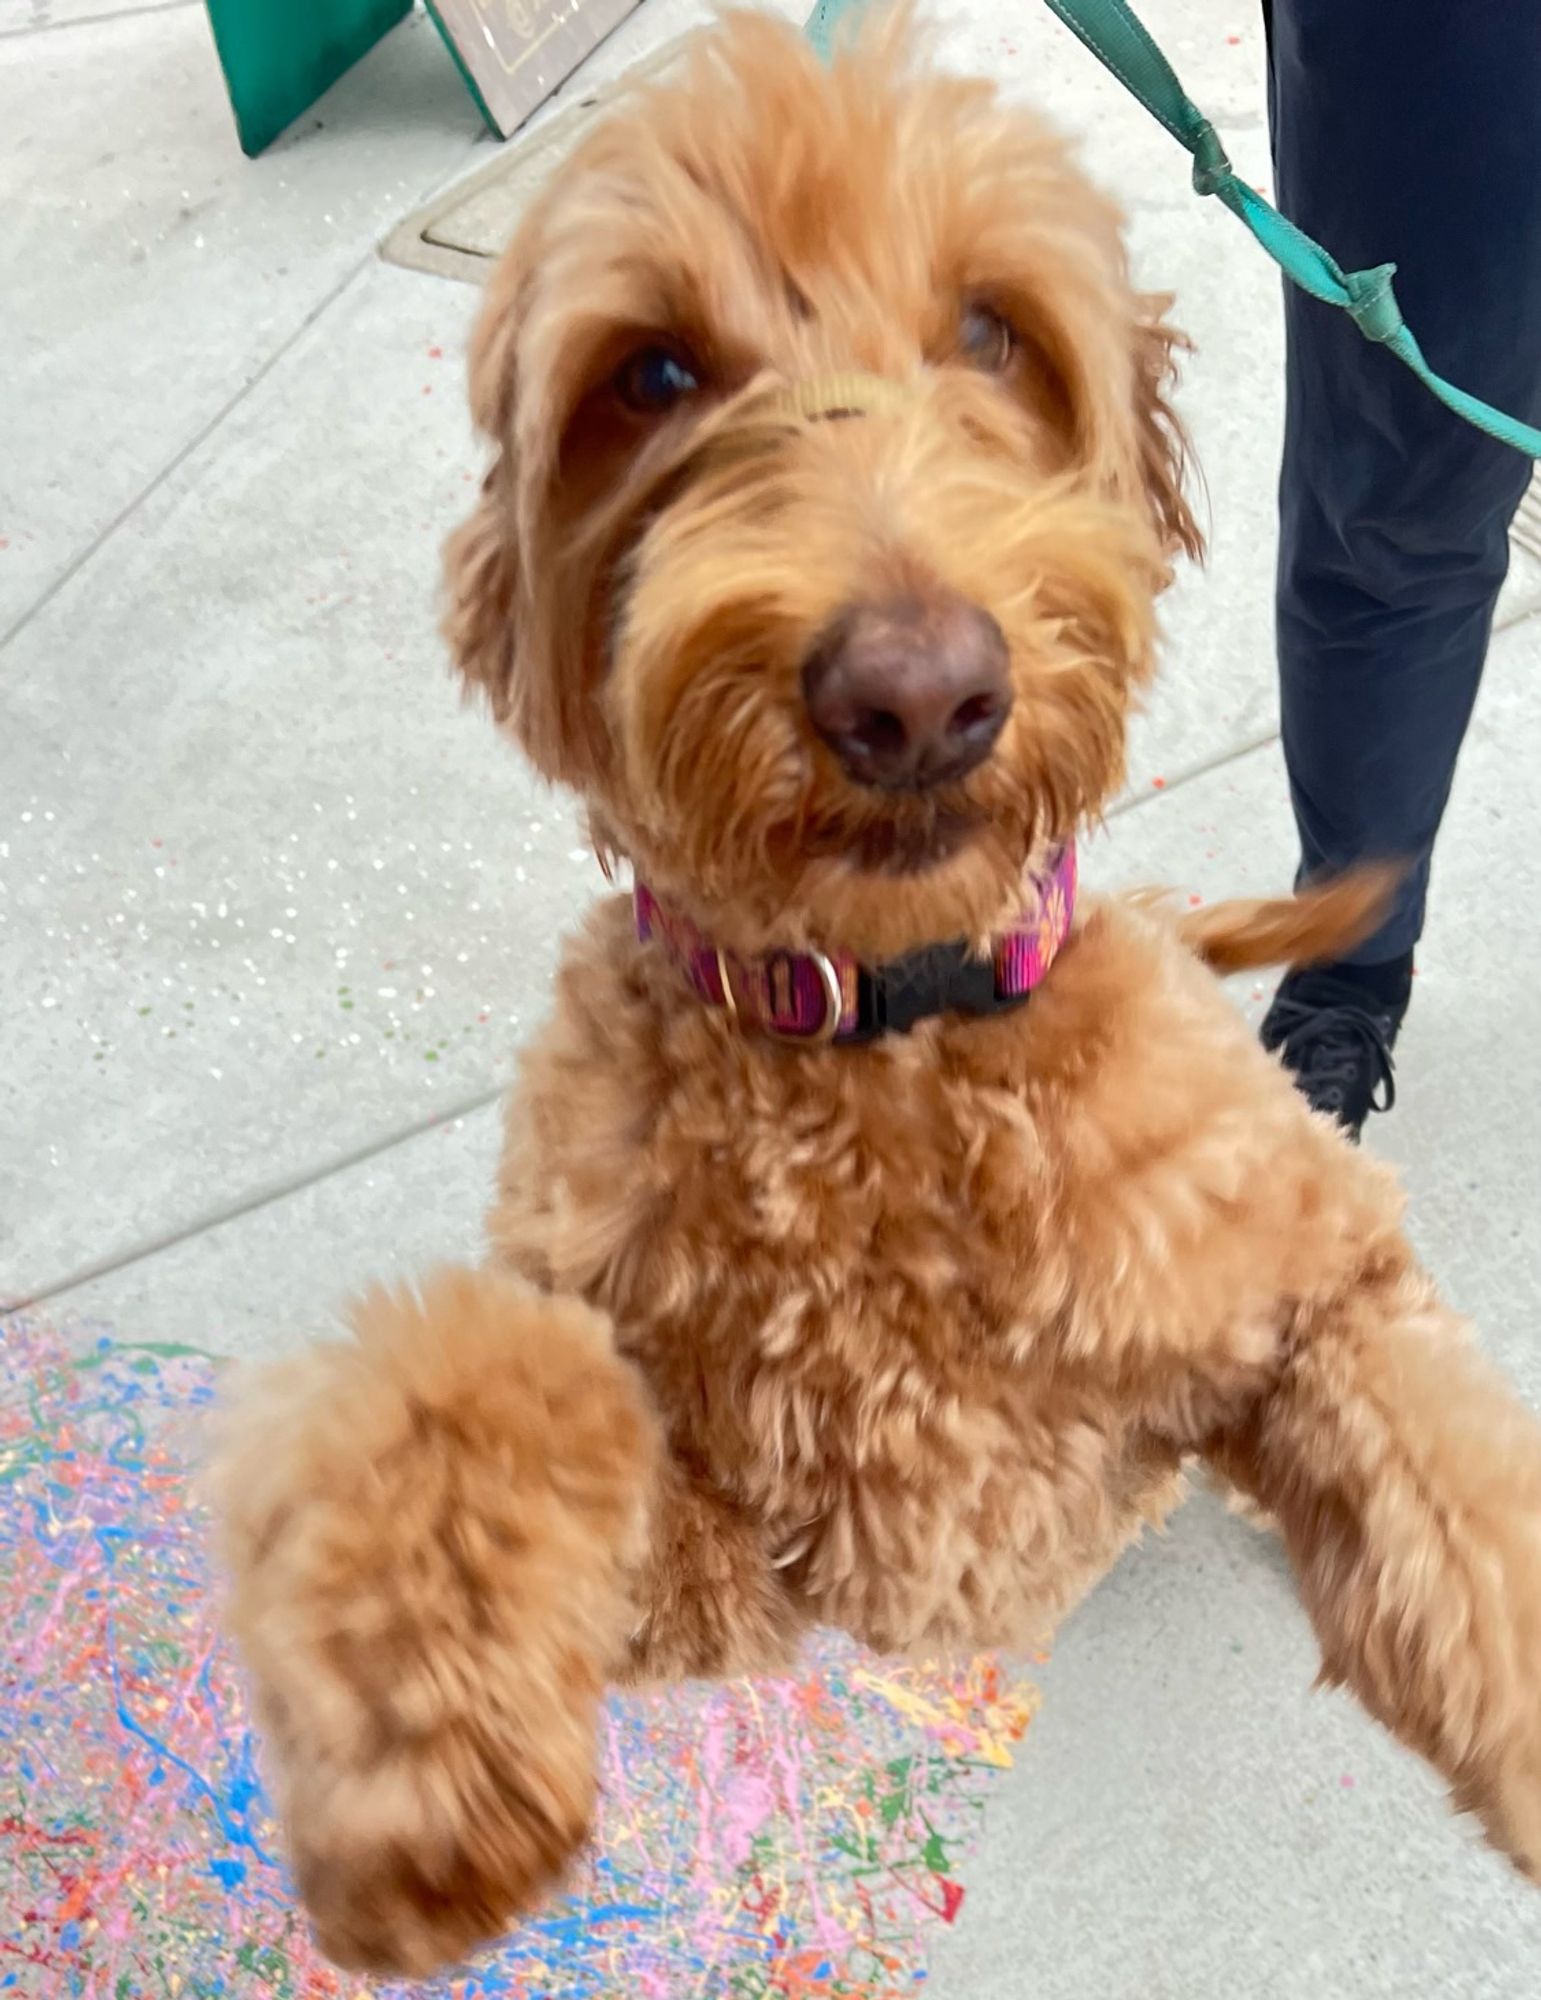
(274, 913)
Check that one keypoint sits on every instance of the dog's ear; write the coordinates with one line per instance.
(500, 593)
(1161, 443)
(481, 557)
(481, 587)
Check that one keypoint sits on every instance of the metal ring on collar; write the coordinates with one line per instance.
(729, 997)
(828, 1025)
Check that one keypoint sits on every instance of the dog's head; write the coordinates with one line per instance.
(834, 483)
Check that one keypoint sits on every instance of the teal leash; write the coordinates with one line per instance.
(822, 23)
(1121, 42)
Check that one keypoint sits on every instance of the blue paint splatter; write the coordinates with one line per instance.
(734, 1859)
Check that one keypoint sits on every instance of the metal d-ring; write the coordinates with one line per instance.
(729, 998)
(829, 979)
(829, 1021)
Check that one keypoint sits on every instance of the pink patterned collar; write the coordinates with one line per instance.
(808, 997)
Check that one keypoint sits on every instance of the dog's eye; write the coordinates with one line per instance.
(986, 340)
(655, 379)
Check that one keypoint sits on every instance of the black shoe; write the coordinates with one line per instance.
(1335, 1028)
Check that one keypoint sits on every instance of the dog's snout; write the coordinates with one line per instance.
(910, 694)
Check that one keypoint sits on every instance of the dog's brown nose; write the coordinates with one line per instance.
(909, 694)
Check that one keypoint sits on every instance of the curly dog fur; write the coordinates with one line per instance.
(909, 1338)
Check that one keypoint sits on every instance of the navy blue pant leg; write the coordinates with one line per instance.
(1405, 131)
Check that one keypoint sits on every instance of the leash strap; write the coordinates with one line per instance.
(1121, 42)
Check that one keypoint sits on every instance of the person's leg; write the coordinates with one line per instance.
(1411, 136)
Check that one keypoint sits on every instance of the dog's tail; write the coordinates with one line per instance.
(1320, 923)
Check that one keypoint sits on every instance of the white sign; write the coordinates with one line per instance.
(514, 53)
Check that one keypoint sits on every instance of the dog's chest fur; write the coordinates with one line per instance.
(883, 1297)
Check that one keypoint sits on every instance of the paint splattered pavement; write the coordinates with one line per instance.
(800, 1838)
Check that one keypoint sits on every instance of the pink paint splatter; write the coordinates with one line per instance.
(785, 1840)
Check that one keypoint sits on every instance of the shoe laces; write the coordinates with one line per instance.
(1332, 1044)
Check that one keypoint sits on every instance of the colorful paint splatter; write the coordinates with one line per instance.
(794, 1838)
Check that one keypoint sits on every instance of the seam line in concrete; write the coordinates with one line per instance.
(264, 1197)
(96, 20)
(180, 457)
(1190, 774)
(195, 443)
(248, 1204)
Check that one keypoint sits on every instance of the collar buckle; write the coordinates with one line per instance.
(808, 999)
(941, 979)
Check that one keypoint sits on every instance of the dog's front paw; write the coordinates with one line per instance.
(430, 1530)
(411, 1862)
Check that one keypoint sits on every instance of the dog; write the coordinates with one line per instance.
(882, 1224)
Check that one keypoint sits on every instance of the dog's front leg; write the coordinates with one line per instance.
(444, 1536)
(431, 1530)
(712, 1602)
(1406, 1479)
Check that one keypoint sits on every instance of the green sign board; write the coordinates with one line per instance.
(280, 55)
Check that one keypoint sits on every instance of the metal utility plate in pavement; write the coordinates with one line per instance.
(461, 233)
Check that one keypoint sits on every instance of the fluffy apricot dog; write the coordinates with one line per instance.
(879, 1228)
